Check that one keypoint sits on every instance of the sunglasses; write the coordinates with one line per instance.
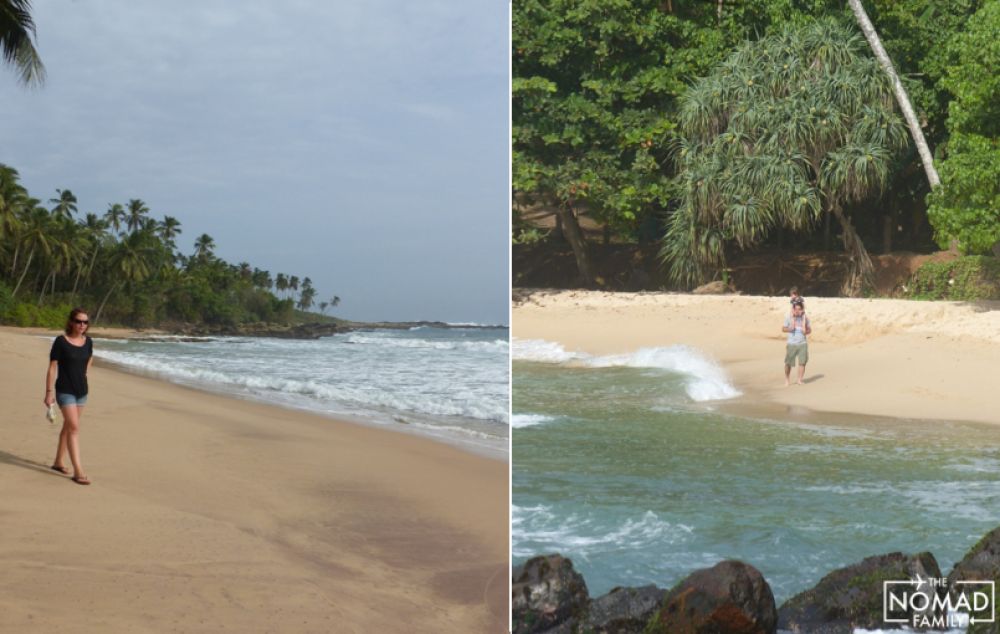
(81, 321)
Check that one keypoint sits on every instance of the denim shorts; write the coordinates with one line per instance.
(65, 399)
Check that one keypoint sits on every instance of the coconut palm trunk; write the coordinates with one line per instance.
(104, 301)
(26, 267)
(574, 235)
(897, 86)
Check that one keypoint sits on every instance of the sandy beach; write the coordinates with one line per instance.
(211, 514)
(905, 359)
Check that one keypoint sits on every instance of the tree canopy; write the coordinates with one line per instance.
(597, 88)
(125, 266)
(967, 207)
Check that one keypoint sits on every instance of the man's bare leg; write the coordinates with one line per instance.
(788, 374)
(802, 373)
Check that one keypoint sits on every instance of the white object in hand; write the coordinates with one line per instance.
(50, 413)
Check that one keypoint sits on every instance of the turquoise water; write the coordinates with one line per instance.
(621, 470)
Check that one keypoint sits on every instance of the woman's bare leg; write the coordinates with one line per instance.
(71, 427)
(61, 448)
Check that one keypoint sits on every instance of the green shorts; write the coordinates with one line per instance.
(795, 351)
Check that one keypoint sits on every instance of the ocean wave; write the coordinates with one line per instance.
(705, 380)
(325, 394)
(497, 345)
(529, 420)
(537, 529)
(540, 351)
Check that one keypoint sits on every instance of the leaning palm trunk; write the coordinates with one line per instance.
(104, 301)
(860, 271)
(897, 86)
(26, 267)
(46, 284)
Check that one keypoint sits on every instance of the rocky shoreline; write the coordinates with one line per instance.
(313, 330)
(549, 597)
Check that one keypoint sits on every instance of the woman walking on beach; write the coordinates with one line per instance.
(70, 357)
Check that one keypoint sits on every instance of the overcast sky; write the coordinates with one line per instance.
(362, 144)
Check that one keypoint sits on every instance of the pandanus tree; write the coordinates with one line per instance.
(786, 129)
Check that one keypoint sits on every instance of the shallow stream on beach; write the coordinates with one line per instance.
(629, 466)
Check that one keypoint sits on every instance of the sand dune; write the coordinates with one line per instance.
(210, 514)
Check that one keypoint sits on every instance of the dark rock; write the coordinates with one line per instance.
(623, 610)
(981, 563)
(310, 330)
(729, 598)
(547, 593)
(852, 597)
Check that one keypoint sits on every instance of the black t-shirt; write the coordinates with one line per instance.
(72, 360)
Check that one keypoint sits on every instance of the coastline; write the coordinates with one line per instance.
(875, 357)
(211, 512)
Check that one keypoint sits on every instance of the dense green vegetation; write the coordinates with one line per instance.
(598, 94)
(124, 266)
(967, 207)
(968, 278)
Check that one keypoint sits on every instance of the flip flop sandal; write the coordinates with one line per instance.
(83, 480)
(59, 469)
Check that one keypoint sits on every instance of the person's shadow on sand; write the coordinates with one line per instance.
(815, 377)
(17, 461)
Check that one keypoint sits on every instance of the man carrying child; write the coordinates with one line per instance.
(797, 349)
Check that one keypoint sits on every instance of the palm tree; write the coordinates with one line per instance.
(94, 233)
(786, 129)
(12, 200)
(244, 270)
(16, 32)
(136, 214)
(115, 216)
(170, 228)
(65, 204)
(306, 298)
(129, 263)
(322, 307)
(281, 283)
(334, 302)
(203, 247)
(36, 237)
(926, 158)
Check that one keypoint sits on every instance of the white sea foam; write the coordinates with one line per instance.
(957, 630)
(537, 529)
(705, 380)
(497, 345)
(541, 351)
(454, 382)
(529, 420)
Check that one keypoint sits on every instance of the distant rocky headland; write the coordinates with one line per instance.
(732, 597)
(313, 330)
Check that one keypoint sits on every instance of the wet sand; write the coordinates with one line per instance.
(213, 514)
